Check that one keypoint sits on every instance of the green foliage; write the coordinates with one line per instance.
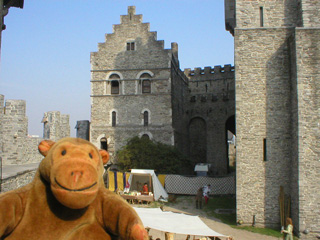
(142, 153)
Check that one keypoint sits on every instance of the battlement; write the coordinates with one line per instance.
(208, 71)
(131, 17)
(13, 107)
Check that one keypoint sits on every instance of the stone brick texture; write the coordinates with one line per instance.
(56, 125)
(211, 100)
(277, 99)
(16, 146)
(17, 181)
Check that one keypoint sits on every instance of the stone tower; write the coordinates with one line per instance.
(55, 125)
(277, 59)
(132, 79)
(16, 146)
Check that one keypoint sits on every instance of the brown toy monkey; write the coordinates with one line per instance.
(67, 199)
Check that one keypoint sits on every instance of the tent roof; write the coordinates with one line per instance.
(178, 223)
(143, 171)
(158, 190)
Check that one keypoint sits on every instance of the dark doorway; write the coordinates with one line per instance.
(104, 144)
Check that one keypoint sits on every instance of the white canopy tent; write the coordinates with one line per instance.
(149, 176)
(178, 223)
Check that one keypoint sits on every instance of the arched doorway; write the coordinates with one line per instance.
(104, 144)
(198, 140)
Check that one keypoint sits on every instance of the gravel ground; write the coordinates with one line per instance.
(187, 205)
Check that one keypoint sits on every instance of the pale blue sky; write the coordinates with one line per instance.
(45, 54)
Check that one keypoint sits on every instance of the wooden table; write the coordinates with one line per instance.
(137, 199)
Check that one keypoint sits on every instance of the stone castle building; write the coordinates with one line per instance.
(277, 76)
(138, 89)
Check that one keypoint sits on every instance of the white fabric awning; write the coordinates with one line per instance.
(178, 223)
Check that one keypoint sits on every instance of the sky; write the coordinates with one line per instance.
(45, 49)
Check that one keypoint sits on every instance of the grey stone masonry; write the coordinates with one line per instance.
(16, 146)
(55, 125)
(131, 57)
(211, 98)
(277, 78)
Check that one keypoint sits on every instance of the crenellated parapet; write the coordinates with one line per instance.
(209, 72)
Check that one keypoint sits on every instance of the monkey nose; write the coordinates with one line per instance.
(76, 176)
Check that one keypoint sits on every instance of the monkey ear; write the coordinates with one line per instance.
(105, 156)
(45, 146)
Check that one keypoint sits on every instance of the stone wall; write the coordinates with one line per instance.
(56, 125)
(277, 112)
(308, 95)
(17, 181)
(271, 13)
(16, 146)
(211, 100)
(263, 112)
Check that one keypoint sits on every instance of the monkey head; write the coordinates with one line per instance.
(73, 167)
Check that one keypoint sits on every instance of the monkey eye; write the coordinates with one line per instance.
(90, 155)
(64, 152)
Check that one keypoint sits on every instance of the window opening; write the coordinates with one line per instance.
(265, 150)
(146, 118)
(114, 87)
(114, 118)
(103, 144)
(130, 46)
(261, 16)
(146, 86)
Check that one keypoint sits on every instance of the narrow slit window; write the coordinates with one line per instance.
(265, 150)
(261, 16)
(146, 118)
(114, 118)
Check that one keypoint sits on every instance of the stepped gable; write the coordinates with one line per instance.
(130, 29)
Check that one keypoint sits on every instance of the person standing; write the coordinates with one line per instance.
(145, 188)
(289, 229)
(206, 192)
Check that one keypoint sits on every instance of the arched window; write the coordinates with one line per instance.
(114, 118)
(114, 83)
(145, 118)
(146, 83)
